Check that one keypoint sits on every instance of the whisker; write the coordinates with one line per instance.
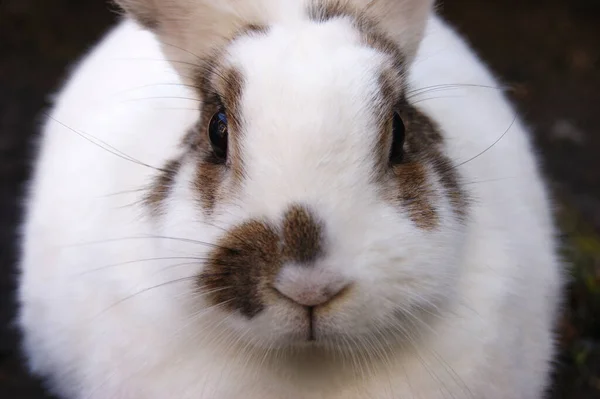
(138, 261)
(197, 57)
(488, 148)
(189, 240)
(161, 98)
(114, 151)
(449, 86)
(154, 85)
(145, 290)
(432, 98)
(137, 190)
(180, 48)
(490, 180)
(159, 60)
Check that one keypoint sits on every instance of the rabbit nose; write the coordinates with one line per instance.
(309, 287)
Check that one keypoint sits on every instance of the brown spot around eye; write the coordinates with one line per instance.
(302, 235)
(220, 87)
(415, 194)
(242, 267)
(162, 186)
(251, 29)
(427, 140)
(411, 183)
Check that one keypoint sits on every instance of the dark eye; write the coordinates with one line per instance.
(398, 131)
(217, 133)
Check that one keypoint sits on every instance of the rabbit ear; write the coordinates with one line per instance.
(403, 21)
(190, 29)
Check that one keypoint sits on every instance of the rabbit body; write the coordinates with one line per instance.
(108, 302)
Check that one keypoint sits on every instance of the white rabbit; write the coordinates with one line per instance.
(287, 199)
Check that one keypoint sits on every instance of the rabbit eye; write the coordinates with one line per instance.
(217, 133)
(398, 131)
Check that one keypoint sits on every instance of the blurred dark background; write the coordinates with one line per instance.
(546, 51)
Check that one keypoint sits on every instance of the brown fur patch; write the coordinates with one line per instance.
(220, 88)
(244, 264)
(302, 235)
(424, 154)
(161, 186)
(384, 105)
(241, 268)
(251, 29)
(425, 137)
(414, 192)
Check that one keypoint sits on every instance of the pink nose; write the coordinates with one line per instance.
(309, 287)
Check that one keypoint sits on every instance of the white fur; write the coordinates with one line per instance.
(89, 245)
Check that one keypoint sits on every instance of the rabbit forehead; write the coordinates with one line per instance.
(317, 84)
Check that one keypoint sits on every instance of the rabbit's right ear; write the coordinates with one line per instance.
(190, 29)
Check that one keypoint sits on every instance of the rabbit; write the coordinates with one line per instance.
(287, 199)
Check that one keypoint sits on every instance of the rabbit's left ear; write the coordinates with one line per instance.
(404, 21)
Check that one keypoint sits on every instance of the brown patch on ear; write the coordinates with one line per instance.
(402, 21)
(302, 235)
(323, 11)
(374, 38)
(162, 186)
(242, 267)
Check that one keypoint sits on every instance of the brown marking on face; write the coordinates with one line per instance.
(412, 189)
(249, 30)
(423, 140)
(424, 136)
(242, 267)
(424, 160)
(220, 87)
(161, 186)
(383, 108)
(241, 270)
(210, 171)
(302, 235)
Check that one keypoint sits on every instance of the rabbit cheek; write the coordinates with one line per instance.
(240, 269)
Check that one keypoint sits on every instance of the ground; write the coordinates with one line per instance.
(546, 51)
